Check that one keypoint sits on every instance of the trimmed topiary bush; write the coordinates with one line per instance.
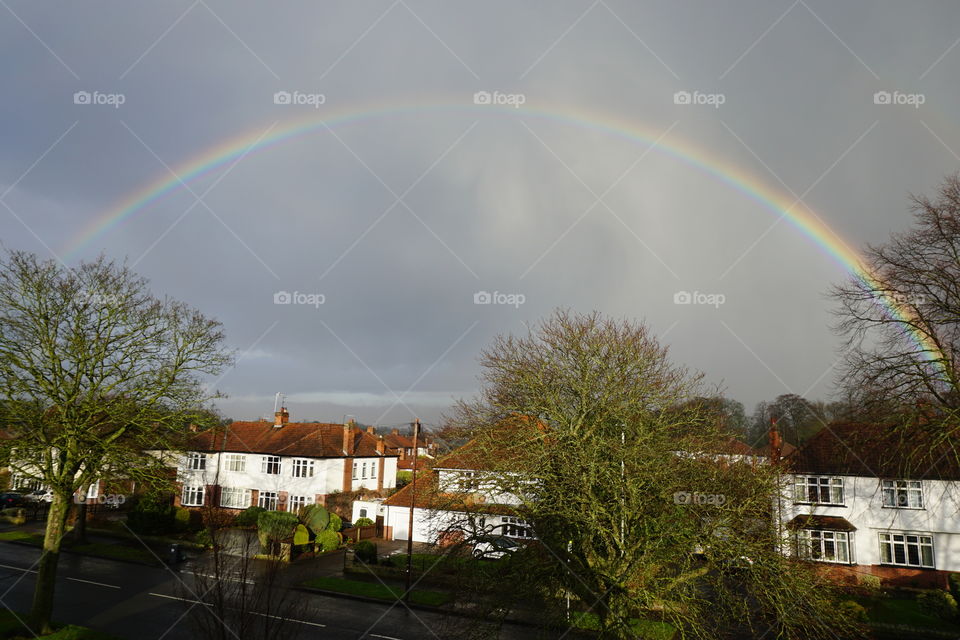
(151, 516)
(335, 523)
(248, 517)
(301, 536)
(363, 522)
(853, 610)
(366, 552)
(274, 527)
(938, 603)
(328, 540)
(315, 517)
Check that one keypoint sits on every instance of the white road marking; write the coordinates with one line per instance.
(99, 584)
(10, 566)
(374, 635)
(266, 615)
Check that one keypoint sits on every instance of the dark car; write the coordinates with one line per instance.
(10, 499)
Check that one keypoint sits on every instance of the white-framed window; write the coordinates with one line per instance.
(824, 546)
(93, 491)
(192, 497)
(302, 468)
(373, 470)
(20, 481)
(267, 500)
(902, 494)
(234, 497)
(295, 503)
(469, 481)
(236, 462)
(354, 470)
(819, 489)
(270, 465)
(906, 549)
(363, 512)
(196, 461)
(515, 527)
(364, 471)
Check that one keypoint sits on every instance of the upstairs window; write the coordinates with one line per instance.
(819, 490)
(373, 469)
(354, 470)
(192, 497)
(902, 494)
(364, 471)
(270, 465)
(196, 461)
(236, 462)
(302, 468)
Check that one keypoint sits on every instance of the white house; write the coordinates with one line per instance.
(867, 500)
(457, 497)
(283, 466)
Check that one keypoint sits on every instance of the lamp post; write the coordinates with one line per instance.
(413, 500)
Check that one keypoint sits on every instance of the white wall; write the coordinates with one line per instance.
(863, 508)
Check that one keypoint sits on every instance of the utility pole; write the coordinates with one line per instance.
(413, 501)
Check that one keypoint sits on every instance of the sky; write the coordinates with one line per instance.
(367, 194)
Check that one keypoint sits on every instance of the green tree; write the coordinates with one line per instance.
(624, 477)
(94, 372)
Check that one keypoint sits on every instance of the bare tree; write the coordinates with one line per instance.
(639, 508)
(94, 371)
(233, 595)
(896, 362)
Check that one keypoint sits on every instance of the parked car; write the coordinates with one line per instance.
(494, 547)
(38, 495)
(11, 499)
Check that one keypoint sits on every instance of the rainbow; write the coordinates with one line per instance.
(783, 205)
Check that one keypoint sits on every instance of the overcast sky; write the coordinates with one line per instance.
(593, 184)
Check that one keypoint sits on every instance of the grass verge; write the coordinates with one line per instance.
(377, 590)
(651, 629)
(96, 549)
(10, 627)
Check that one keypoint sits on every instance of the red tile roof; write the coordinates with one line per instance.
(307, 439)
(877, 451)
(429, 497)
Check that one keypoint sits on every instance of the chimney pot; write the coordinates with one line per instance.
(371, 430)
(395, 432)
(281, 417)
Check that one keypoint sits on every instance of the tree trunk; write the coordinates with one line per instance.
(47, 570)
(80, 526)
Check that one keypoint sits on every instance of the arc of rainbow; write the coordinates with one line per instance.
(800, 217)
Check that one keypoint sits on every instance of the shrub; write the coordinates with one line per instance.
(335, 523)
(248, 517)
(301, 536)
(869, 582)
(151, 515)
(15, 515)
(203, 537)
(938, 603)
(366, 552)
(274, 527)
(328, 540)
(954, 581)
(181, 519)
(853, 611)
(315, 517)
(363, 522)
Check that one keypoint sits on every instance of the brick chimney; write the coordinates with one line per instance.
(371, 431)
(776, 444)
(281, 417)
(348, 438)
(381, 447)
(395, 432)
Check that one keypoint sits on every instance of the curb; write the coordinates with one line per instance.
(153, 565)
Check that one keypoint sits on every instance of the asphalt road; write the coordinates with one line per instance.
(138, 602)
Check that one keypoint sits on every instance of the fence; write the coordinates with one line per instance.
(360, 533)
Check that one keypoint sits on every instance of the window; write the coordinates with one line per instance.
(354, 470)
(823, 546)
(821, 489)
(302, 468)
(906, 549)
(234, 498)
(902, 494)
(196, 461)
(364, 471)
(373, 469)
(270, 465)
(298, 502)
(20, 481)
(192, 497)
(236, 462)
(363, 513)
(515, 527)
(267, 500)
(468, 481)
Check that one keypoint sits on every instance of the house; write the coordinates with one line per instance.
(281, 466)
(867, 499)
(455, 498)
(403, 445)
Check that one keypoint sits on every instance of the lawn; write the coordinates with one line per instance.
(650, 629)
(377, 590)
(903, 611)
(443, 563)
(98, 549)
(10, 627)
